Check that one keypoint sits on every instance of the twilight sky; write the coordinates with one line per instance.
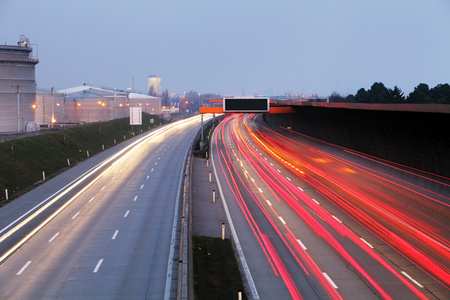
(235, 46)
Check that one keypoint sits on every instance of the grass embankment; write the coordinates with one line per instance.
(216, 271)
(22, 161)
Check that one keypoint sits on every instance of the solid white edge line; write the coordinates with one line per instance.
(412, 279)
(89, 172)
(330, 280)
(174, 231)
(247, 273)
(24, 267)
(98, 265)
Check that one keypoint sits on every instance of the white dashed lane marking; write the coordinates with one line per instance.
(53, 237)
(24, 267)
(98, 265)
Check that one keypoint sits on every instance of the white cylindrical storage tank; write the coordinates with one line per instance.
(17, 85)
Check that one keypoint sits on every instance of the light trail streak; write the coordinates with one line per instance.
(419, 231)
(292, 194)
(314, 224)
(118, 157)
(281, 268)
(273, 260)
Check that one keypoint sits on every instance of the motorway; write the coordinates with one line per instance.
(314, 221)
(107, 229)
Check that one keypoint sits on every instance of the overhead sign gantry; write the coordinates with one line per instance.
(246, 105)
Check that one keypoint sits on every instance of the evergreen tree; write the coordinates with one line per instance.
(421, 94)
(362, 96)
(165, 100)
(378, 93)
(441, 94)
(396, 95)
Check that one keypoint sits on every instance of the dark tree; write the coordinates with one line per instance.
(396, 95)
(336, 97)
(350, 99)
(441, 94)
(194, 101)
(421, 94)
(151, 91)
(165, 100)
(362, 96)
(378, 93)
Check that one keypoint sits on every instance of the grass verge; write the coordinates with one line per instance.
(22, 161)
(216, 271)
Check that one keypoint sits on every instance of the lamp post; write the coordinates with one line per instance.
(53, 113)
(34, 106)
(103, 104)
(202, 141)
(18, 108)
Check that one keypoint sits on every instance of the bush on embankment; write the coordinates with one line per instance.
(23, 160)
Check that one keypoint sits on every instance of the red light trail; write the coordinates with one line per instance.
(380, 204)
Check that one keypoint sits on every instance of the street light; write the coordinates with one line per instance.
(18, 109)
(103, 104)
(53, 112)
(34, 106)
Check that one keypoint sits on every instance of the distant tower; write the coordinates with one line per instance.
(154, 85)
(17, 86)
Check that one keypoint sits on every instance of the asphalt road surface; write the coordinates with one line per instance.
(311, 222)
(109, 229)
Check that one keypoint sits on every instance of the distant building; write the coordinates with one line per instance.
(17, 86)
(149, 104)
(87, 104)
(48, 105)
(154, 85)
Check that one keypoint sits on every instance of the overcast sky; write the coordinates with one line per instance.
(235, 46)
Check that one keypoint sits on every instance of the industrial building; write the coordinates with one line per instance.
(48, 107)
(21, 104)
(17, 86)
(87, 104)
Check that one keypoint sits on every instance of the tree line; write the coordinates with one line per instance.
(379, 93)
